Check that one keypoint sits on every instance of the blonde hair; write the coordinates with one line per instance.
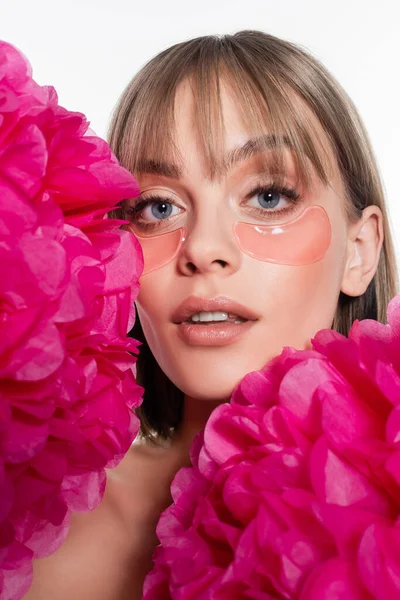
(269, 77)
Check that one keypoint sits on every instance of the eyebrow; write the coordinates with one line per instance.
(236, 156)
(154, 167)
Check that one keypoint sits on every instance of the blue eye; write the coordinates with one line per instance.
(269, 198)
(161, 210)
(150, 212)
(156, 209)
(266, 198)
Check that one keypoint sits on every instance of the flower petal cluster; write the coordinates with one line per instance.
(68, 279)
(294, 490)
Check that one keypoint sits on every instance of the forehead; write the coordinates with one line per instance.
(217, 134)
(191, 139)
(189, 111)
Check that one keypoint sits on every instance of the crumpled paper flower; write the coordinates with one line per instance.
(295, 486)
(68, 279)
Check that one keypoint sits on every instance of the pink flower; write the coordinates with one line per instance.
(68, 279)
(295, 486)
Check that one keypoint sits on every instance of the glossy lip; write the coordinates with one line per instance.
(195, 304)
(217, 334)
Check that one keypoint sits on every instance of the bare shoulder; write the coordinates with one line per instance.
(108, 552)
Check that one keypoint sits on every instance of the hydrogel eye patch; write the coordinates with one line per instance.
(301, 241)
(159, 250)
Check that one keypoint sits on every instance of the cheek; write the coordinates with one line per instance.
(155, 303)
(297, 301)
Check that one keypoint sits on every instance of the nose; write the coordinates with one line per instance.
(209, 247)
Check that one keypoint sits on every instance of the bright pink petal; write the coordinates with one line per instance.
(68, 281)
(294, 490)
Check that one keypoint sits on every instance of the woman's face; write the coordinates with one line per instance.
(279, 304)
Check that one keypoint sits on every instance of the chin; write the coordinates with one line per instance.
(213, 374)
(213, 386)
(209, 393)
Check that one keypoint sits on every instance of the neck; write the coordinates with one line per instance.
(195, 415)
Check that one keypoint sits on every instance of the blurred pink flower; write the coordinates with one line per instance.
(68, 280)
(295, 486)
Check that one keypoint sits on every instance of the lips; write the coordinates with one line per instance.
(195, 304)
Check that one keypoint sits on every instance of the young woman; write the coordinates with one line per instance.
(262, 220)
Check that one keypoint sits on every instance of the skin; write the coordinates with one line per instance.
(108, 552)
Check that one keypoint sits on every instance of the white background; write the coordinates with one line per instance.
(89, 50)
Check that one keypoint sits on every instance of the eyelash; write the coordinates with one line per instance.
(133, 212)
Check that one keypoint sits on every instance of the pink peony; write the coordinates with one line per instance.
(295, 486)
(68, 279)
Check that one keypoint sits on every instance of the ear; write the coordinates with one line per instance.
(365, 239)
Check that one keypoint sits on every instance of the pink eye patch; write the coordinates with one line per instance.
(301, 241)
(159, 250)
